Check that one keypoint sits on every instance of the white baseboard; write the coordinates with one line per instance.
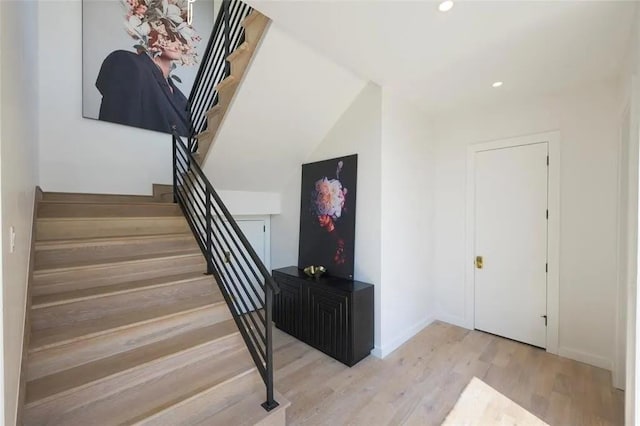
(383, 350)
(577, 355)
(377, 352)
(587, 358)
(453, 319)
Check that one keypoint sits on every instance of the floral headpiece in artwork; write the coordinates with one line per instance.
(328, 196)
(161, 24)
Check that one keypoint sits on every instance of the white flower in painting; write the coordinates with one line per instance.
(159, 25)
(173, 13)
(328, 198)
(136, 28)
(187, 32)
(182, 4)
(144, 29)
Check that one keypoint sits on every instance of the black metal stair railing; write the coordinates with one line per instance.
(226, 36)
(244, 281)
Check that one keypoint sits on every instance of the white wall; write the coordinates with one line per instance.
(77, 154)
(357, 131)
(18, 166)
(407, 293)
(630, 98)
(244, 203)
(1, 252)
(588, 127)
(627, 213)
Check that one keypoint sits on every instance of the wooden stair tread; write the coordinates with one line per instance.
(66, 228)
(237, 401)
(144, 202)
(84, 242)
(112, 262)
(96, 198)
(207, 403)
(126, 406)
(46, 300)
(81, 351)
(78, 376)
(54, 209)
(248, 411)
(227, 82)
(47, 338)
(244, 48)
(111, 219)
(252, 18)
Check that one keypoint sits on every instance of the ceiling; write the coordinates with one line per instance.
(448, 60)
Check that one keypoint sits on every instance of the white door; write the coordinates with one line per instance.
(511, 242)
(254, 230)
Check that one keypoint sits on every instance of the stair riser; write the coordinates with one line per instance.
(52, 360)
(52, 209)
(277, 418)
(81, 278)
(215, 120)
(163, 193)
(42, 412)
(206, 404)
(47, 258)
(71, 197)
(240, 60)
(226, 93)
(71, 314)
(64, 229)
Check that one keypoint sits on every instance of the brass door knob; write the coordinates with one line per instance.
(479, 262)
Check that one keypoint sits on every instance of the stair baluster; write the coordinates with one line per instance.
(244, 281)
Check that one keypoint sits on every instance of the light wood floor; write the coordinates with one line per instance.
(420, 382)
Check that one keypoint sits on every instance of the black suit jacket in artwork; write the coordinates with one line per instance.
(135, 93)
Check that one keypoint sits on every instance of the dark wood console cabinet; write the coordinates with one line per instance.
(333, 315)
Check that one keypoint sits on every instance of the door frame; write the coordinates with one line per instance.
(627, 154)
(553, 228)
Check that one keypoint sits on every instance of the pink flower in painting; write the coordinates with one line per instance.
(329, 198)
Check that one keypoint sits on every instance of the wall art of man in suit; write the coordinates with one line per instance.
(137, 88)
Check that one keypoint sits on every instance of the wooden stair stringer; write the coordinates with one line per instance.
(255, 26)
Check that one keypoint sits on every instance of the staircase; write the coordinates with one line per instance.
(126, 328)
(237, 44)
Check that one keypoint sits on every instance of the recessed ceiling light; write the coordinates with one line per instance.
(445, 6)
(497, 84)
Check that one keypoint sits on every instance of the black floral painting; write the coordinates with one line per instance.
(328, 215)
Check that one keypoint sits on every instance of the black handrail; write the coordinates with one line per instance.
(226, 36)
(244, 281)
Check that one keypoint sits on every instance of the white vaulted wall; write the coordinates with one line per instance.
(394, 210)
(357, 131)
(288, 100)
